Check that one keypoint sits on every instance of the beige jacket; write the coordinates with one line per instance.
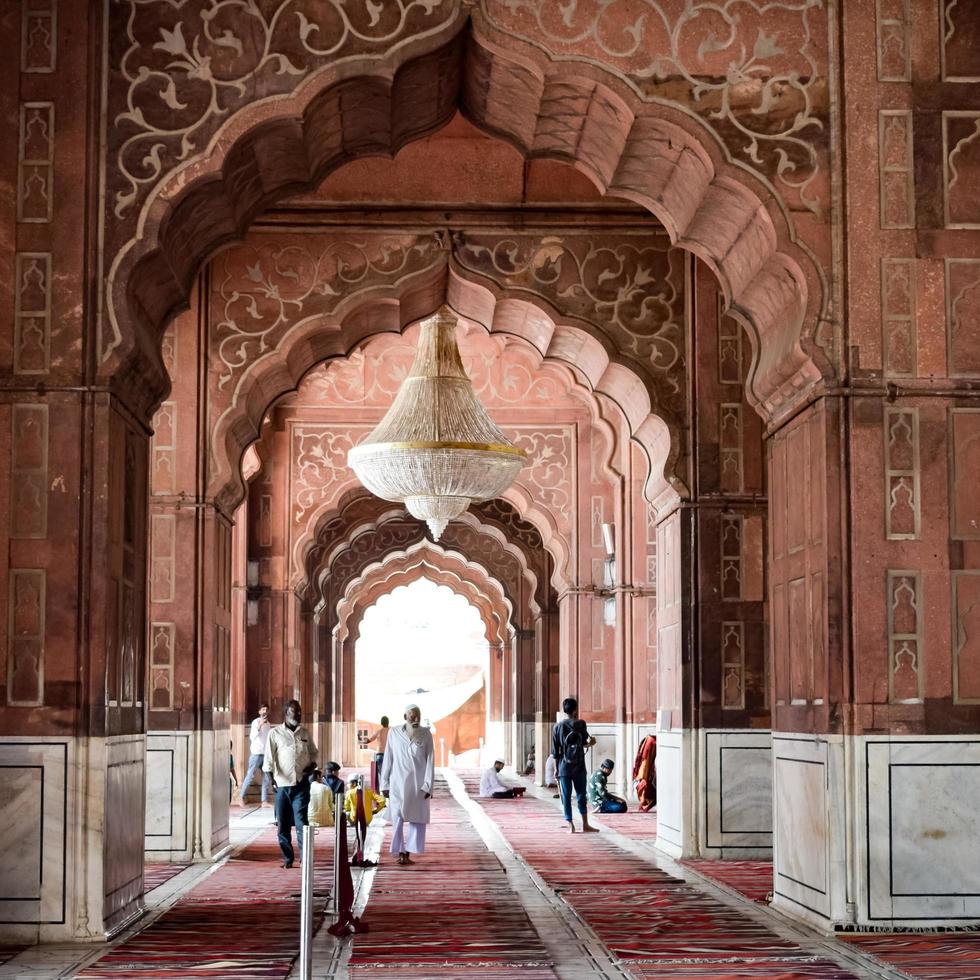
(288, 754)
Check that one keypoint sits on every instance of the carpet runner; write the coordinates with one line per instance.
(934, 957)
(454, 911)
(656, 924)
(753, 879)
(155, 875)
(239, 923)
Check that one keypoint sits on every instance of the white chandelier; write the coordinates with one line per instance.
(436, 450)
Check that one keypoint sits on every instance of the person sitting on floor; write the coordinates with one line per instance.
(551, 774)
(331, 778)
(491, 788)
(360, 805)
(600, 799)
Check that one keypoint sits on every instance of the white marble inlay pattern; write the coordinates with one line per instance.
(801, 854)
(737, 793)
(33, 784)
(922, 800)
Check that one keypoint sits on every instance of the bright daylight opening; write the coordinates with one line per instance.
(423, 644)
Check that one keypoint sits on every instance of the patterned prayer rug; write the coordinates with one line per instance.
(154, 875)
(452, 912)
(239, 923)
(661, 926)
(951, 956)
(753, 879)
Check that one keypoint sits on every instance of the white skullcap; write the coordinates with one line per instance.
(411, 707)
(503, 762)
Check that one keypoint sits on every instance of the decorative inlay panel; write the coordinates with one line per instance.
(895, 168)
(894, 41)
(960, 51)
(163, 472)
(730, 446)
(38, 42)
(903, 508)
(35, 162)
(731, 557)
(964, 454)
(966, 637)
(732, 666)
(961, 155)
(25, 636)
(162, 640)
(898, 327)
(904, 604)
(29, 471)
(163, 557)
(963, 317)
(729, 348)
(32, 313)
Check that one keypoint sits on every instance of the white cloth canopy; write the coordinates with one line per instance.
(490, 783)
(408, 772)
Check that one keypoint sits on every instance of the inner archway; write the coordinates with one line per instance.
(424, 644)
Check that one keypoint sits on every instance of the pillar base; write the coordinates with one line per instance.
(72, 837)
(874, 832)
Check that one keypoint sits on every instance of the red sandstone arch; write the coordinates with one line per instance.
(492, 612)
(340, 544)
(569, 111)
(593, 362)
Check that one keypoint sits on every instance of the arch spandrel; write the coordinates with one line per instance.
(207, 178)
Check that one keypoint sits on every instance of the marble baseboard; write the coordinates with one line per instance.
(919, 809)
(736, 794)
(125, 768)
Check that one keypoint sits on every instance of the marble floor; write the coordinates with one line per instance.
(576, 942)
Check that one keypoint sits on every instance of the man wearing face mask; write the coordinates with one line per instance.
(407, 776)
(291, 757)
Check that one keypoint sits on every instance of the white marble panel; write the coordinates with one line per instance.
(167, 796)
(676, 833)
(123, 842)
(33, 871)
(801, 856)
(737, 794)
(921, 804)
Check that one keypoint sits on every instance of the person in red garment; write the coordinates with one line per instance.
(645, 773)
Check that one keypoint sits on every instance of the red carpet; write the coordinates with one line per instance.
(753, 879)
(658, 925)
(154, 875)
(936, 957)
(454, 911)
(239, 923)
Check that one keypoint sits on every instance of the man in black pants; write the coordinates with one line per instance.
(569, 740)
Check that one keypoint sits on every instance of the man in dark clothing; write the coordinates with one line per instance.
(332, 780)
(569, 740)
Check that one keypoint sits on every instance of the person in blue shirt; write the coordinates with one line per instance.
(332, 780)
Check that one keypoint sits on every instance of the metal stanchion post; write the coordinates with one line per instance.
(338, 821)
(306, 905)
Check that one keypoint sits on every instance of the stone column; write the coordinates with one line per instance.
(190, 598)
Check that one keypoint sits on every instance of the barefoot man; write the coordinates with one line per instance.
(569, 740)
(407, 775)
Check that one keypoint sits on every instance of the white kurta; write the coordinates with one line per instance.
(490, 783)
(408, 772)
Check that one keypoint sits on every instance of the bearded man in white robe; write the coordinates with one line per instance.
(407, 776)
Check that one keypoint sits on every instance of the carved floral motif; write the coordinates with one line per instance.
(753, 70)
